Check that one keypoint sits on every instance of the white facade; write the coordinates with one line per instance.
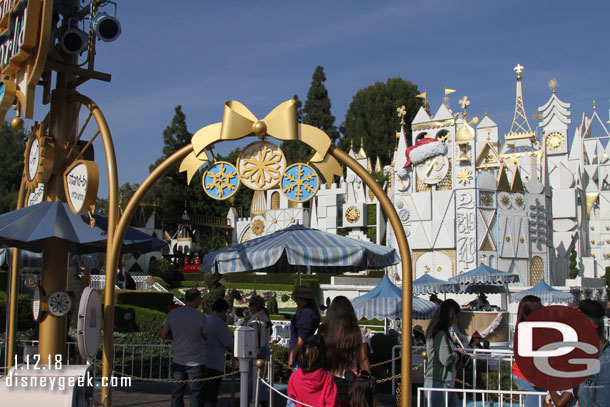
(520, 205)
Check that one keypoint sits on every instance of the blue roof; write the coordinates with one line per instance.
(385, 301)
(485, 275)
(545, 292)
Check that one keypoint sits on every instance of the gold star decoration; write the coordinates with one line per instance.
(464, 176)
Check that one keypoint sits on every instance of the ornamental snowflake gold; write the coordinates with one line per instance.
(464, 176)
(221, 180)
(262, 168)
(298, 184)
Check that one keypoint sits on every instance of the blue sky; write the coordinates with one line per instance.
(199, 54)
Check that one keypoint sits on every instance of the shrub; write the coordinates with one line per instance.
(162, 268)
(208, 299)
(25, 320)
(280, 372)
(285, 297)
(272, 305)
(129, 318)
(162, 282)
(159, 301)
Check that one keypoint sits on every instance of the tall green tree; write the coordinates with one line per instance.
(295, 151)
(173, 195)
(372, 117)
(12, 147)
(317, 106)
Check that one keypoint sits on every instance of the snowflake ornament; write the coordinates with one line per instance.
(300, 182)
(260, 165)
(220, 181)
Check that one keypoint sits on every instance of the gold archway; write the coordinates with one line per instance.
(342, 157)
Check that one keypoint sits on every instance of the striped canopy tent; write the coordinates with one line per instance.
(485, 275)
(385, 301)
(298, 249)
(545, 292)
(427, 284)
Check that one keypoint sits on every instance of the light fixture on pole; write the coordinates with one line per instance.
(106, 27)
(74, 41)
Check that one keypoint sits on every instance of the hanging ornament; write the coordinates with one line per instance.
(220, 181)
(300, 182)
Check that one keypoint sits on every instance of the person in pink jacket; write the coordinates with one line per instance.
(310, 384)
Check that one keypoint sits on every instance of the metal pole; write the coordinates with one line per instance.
(232, 381)
(405, 255)
(271, 382)
(257, 384)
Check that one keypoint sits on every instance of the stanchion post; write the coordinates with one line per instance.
(232, 381)
(244, 365)
(271, 381)
(260, 363)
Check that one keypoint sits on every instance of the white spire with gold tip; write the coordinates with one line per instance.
(520, 128)
(400, 157)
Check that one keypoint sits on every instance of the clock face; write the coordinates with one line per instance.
(433, 170)
(555, 141)
(33, 158)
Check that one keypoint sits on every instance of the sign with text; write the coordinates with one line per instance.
(80, 182)
(36, 196)
(25, 33)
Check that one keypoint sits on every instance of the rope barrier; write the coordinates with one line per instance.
(283, 395)
(145, 379)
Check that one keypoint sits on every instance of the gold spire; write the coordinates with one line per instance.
(361, 154)
(464, 102)
(402, 111)
(594, 105)
(553, 85)
(486, 114)
(520, 127)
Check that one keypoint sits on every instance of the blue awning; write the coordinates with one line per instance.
(546, 293)
(385, 301)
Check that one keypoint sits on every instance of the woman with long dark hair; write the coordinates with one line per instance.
(345, 347)
(527, 305)
(440, 370)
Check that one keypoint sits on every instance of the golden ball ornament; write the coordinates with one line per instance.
(259, 128)
(17, 123)
(260, 363)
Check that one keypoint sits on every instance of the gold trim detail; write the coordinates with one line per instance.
(433, 125)
(464, 176)
(352, 214)
(258, 227)
(591, 198)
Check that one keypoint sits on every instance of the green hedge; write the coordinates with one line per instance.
(129, 318)
(263, 287)
(25, 320)
(158, 301)
(279, 278)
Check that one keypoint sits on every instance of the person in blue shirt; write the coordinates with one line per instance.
(304, 323)
(595, 390)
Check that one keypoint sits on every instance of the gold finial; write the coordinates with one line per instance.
(594, 105)
(488, 131)
(464, 102)
(402, 111)
(351, 143)
(17, 122)
(553, 85)
(486, 114)
(519, 68)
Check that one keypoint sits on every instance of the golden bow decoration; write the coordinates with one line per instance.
(281, 123)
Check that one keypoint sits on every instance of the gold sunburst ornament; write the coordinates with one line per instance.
(258, 227)
(260, 165)
(464, 176)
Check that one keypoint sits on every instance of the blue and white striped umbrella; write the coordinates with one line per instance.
(296, 248)
(485, 275)
(546, 293)
(385, 301)
(427, 284)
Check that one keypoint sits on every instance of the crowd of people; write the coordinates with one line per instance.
(330, 362)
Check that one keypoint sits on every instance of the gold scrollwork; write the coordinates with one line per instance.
(352, 214)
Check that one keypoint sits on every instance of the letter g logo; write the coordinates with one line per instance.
(556, 348)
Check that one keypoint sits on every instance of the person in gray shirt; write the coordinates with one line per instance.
(219, 341)
(187, 328)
